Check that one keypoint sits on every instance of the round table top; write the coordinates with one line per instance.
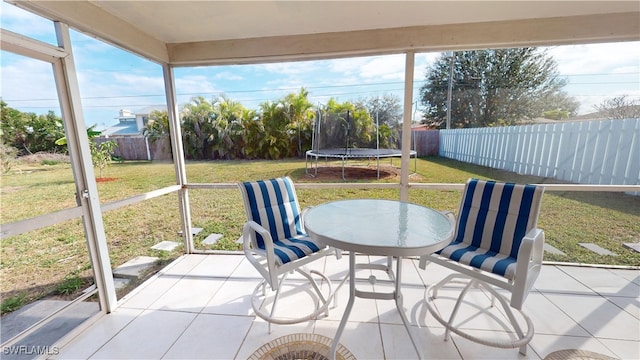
(379, 227)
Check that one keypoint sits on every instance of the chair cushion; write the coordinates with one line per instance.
(494, 218)
(479, 258)
(293, 248)
(274, 205)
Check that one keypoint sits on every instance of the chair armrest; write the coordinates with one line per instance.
(452, 220)
(531, 247)
(304, 211)
(249, 240)
(448, 213)
(422, 264)
(528, 266)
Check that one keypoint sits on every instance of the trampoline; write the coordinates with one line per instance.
(339, 136)
(352, 153)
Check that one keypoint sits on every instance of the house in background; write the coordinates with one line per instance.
(131, 123)
(128, 133)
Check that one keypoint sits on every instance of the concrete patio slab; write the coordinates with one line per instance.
(133, 268)
(553, 250)
(40, 343)
(567, 312)
(597, 249)
(166, 245)
(632, 246)
(121, 283)
(212, 239)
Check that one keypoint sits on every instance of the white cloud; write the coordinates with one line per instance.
(84, 45)
(598, 72)
(588, 103)
(313, 75)
(26, 23)
(27, 79)
(289, 68)
(422, 60)
(346, 66)
(228, 75)
(628, 69)
(604, 58)
(115, 84)
(141, 83)
(344, 78)
(194, 84)
(384, 68)
(367, 69)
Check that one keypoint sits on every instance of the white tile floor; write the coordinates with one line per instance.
(199, 307)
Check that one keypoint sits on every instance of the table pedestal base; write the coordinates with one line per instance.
(393, 295)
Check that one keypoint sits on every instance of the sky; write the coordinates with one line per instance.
(111, 79)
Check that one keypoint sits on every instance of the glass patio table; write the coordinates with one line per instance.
(378, 227)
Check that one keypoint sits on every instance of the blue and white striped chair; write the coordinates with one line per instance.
(497, 243)
(275, 243)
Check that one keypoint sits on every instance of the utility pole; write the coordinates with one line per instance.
(451, 59)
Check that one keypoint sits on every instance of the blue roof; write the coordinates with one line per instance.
(127, 128)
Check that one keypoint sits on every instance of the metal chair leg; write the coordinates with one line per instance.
(522, 340)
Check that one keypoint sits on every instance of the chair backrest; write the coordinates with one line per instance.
(274, 205)
(495, 216)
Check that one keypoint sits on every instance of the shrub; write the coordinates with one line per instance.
(50, 162)
(8, 156)
(70, 285)
(13, 303)
(556, 114)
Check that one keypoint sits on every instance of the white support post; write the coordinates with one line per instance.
(175, 133)
(80, 152)
(406, 126)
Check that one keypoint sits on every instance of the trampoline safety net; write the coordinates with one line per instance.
(340, 135)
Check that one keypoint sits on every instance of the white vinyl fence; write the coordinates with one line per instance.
(605, 152)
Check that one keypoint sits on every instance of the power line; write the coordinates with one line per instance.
(399, 83)
(227, 92)
(417, 85)
(601, 74)
(266, 99)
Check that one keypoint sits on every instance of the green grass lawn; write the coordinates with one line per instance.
(52, 259)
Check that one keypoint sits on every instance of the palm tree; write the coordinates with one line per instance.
(275, 143)
(300, 114)
(253, 135)
(157, 129)
(228, 127)
(348, 125)
(197, 127)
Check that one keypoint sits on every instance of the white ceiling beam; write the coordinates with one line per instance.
(96, 22)
(501, 34)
